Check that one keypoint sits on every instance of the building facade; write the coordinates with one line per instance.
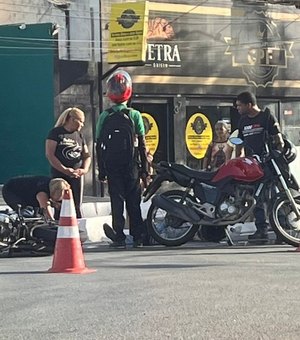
(204, 56)
(199, 57)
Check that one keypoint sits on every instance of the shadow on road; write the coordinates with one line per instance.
(25, 272)
(195, 249)
(153, 265)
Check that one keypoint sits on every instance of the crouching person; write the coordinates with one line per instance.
(35, 191)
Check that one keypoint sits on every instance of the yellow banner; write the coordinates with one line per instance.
(128, 32)
(198, 135)
(151, 132)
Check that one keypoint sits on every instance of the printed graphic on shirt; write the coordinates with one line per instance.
(253, 129)
(71, 150)
(219, 157)
(219, 153)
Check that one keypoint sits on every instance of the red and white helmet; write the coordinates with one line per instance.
(119, 86)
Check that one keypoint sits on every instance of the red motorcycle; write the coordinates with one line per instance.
(225, 197)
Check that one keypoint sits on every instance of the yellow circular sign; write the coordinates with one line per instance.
(198, 135)
(151, 132)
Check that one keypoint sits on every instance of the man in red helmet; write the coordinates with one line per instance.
(120, 143)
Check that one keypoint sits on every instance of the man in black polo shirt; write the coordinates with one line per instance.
(253, 125)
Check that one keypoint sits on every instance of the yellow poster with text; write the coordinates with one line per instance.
(198, 135)
(151, 132)
(128, 32)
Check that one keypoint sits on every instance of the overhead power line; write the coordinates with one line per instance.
(83, 13)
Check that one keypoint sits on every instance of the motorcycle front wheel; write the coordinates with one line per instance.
(284, 222)
(170, 230)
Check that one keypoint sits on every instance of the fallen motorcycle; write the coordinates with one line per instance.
(27, 231)
(225, 197)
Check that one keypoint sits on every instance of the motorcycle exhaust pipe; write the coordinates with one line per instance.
(176, 209)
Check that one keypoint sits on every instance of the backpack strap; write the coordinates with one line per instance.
(127, 111)
(124, 110)
(110, 111)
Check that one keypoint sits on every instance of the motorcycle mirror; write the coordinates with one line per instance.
(236, 140)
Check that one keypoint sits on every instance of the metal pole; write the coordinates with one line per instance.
(100, 88)
(67, 14)
(92, 88)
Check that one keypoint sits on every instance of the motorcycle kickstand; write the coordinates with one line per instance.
(229, 239)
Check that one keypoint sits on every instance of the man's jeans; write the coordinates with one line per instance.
(260, 218)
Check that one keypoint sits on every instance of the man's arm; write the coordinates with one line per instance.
(239, 151)
(44, 203)
(275, 132)
(140, 131)
(278, 141)
(143, 154)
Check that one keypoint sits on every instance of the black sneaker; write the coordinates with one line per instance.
(118, 245)
(109, 232)
(260, 236)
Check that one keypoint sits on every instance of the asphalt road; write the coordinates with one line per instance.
(197, 291)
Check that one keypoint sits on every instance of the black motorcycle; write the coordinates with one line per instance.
(220, 199)
(26, 231)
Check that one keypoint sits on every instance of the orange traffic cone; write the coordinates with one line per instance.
(68, 256)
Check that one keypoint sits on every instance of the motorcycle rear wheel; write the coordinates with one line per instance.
(282, 219)
(170, 230)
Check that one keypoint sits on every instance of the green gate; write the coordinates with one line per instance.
(26, 98)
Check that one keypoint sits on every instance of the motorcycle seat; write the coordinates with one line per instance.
(202, 175)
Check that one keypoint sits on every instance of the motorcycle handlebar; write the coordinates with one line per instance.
(257, 157)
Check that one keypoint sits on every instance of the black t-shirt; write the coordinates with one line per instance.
(69, 146)
(28, 187)
(252, 131)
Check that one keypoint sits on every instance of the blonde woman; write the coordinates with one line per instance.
(35, 191)
(219, 150)
(67, 152)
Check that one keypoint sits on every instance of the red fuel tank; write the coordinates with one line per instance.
(245, 169)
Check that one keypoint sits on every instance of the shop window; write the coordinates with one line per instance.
(290, 121)
(199, 130)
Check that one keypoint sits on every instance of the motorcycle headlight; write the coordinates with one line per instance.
(4, 220)
(4, 225)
